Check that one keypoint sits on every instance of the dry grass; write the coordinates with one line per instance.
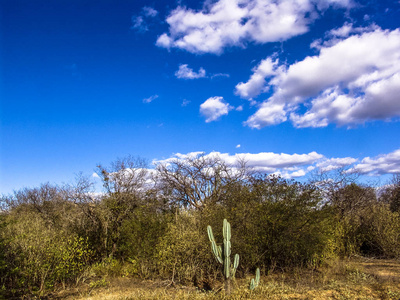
(359, 278)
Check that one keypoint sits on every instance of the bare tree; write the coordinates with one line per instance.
(199, 180)
(330, 183)
(391, 194)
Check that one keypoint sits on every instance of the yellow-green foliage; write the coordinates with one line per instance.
(39, 256)
(183, 253)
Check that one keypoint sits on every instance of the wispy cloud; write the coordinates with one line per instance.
(150, 99)
(185, 102)
(225, 23)
(141, 22)
(184, 72)
(149, 11)
(220, 75)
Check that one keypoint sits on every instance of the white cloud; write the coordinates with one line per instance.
(335, 163)
(213, 108)
(269, 113)
(382, 164)
(150, 99)
(287, 165)
(272, 161)
(357, 79)
(238, 146)
(138, 23)
(185, 72)
(299, 165)
(257, 83)
(227, 23)
(343, 31)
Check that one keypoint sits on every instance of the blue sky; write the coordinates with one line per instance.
(292, 86)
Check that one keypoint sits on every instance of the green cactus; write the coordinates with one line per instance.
(223, 255)
(255, 283)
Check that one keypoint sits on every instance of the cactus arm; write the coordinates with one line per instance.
(252, 284)
(236, 261)
(219, 251)
(258, 276)
(216, 253)
(210, 234)
(235, 265)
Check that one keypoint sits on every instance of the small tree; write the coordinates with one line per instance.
(125, 183)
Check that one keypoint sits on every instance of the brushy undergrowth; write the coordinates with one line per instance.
(359, 278)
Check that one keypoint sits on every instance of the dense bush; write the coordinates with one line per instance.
(39, 256)
(282, 224)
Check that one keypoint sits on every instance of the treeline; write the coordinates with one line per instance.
(152, 224)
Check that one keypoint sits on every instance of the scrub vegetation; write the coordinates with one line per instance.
(147, 234)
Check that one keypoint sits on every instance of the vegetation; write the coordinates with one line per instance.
(152, 225)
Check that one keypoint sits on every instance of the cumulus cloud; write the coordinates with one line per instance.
(225, 23)
(330, 164)
(150, 99)
(299, 165)
(263, 161)
(213, 108)
(286, 165)
(357, 79)
(184, 72)
(257, 82)
(379, 165)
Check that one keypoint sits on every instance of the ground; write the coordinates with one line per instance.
(357, 278)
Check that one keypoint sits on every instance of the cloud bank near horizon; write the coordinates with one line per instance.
(295, 165)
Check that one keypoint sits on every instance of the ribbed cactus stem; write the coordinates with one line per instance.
(256, 282)
(223, 255)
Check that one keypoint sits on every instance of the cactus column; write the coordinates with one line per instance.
(223, 255)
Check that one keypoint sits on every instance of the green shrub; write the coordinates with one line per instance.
(38, 256)
(183, 252)
(281, 224)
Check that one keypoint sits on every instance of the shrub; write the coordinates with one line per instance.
(39, 256)
(183, 253)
